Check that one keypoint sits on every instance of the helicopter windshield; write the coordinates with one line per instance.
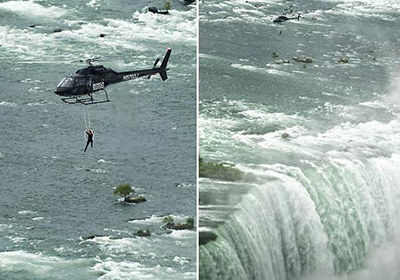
(72, 82)
(67, 82)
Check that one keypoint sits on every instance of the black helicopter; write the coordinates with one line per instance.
(281, 19)
(79, 88)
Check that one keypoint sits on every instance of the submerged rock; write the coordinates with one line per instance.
(102, 35)
(303, 59)
(143, 233)
(57, 30)
(181, 226)
(136, 199)
(343, 60)
(275, 55)
(285, 135)
(89, 237)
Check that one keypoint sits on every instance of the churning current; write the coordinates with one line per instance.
(59, 218)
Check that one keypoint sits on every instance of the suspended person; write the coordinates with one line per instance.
(90, 134)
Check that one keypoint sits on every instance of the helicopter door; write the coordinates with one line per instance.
(97, 83)
(88, 84)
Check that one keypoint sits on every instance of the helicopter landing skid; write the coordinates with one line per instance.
(85, 101)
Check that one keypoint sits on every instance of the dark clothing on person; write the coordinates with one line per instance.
(90, 139)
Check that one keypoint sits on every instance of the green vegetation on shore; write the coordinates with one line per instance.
(220, 171)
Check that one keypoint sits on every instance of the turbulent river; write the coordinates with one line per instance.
(319, 142)
(59, 218)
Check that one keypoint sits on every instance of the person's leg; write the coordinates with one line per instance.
(91, 143)
(87, 144)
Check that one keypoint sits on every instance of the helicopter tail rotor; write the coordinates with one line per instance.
(163, 68)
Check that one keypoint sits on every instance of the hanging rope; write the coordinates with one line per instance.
(86, 119)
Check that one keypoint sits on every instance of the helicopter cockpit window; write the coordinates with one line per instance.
(62, 81)
(67, 82)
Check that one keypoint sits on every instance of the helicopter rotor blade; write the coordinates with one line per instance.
(87, 60)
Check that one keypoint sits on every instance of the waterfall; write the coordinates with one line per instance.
(332, 214)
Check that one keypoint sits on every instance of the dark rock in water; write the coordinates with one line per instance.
(206, 236)
(188, 2)
(136, 199)
(57, 30)
(91, 237)
(275, 55)
(170, 225)
(102, 35)
(154, 10)
(285, 135)
(143, 233)
(183, 226)
(179, 226)
(343, 60)
(32, 26)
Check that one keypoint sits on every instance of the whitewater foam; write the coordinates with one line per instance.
(42, 266)
(27, 212)
(6, 103)
(32, 9)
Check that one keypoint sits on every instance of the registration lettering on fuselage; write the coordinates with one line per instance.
(97, 86)
(130, 76)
